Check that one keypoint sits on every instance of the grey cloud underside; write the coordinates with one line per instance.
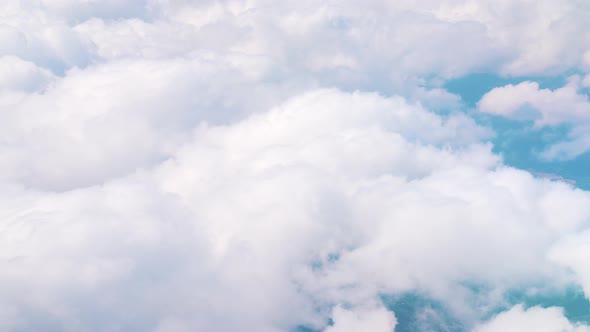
(178, 166)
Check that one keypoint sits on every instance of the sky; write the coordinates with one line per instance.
(294, 166)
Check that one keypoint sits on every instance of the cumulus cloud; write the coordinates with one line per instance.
(36, 36)
(378, 320)
(19, 75)
(532, 319)
(332, 198)
(72, 134)
(571, 252)
(272, 166)
(334, 40)
(545, 107)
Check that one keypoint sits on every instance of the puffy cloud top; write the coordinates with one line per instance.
(274, 166)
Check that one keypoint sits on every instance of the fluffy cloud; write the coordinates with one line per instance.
(78, 11)
(532, 319)
(19, 75)
(334, 41)
(566, 105)
(72, 134)
(526, 101)
(41, 38)
(378, 320)
(331, 198)
(271, 166)
(571, 252)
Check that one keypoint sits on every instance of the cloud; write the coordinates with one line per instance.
(553, 106)
(532, 319)
(19, 75)
(329, 199)
(47, 41)
(527, 102)
(570, 252)
(338, 43)
(378, 320)
(72, 134)
(501, 34)
(220, 166)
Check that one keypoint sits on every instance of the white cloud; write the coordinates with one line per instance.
(225, 234)
(106, 121)
(533, 319)
(527, 102)
(395, 213)
(377, 320)
(216, 166)
(19, 75)
(549, 107)
(320, 38)
(78, 11)
(47, 41)
(572, 252)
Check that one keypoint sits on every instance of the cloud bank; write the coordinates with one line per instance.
(281, 166)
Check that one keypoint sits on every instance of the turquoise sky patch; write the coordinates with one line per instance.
(520, 143)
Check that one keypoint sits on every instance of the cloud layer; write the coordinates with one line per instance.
(259, 166)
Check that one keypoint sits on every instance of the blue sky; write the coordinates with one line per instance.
(325, 166)
(520, 143)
